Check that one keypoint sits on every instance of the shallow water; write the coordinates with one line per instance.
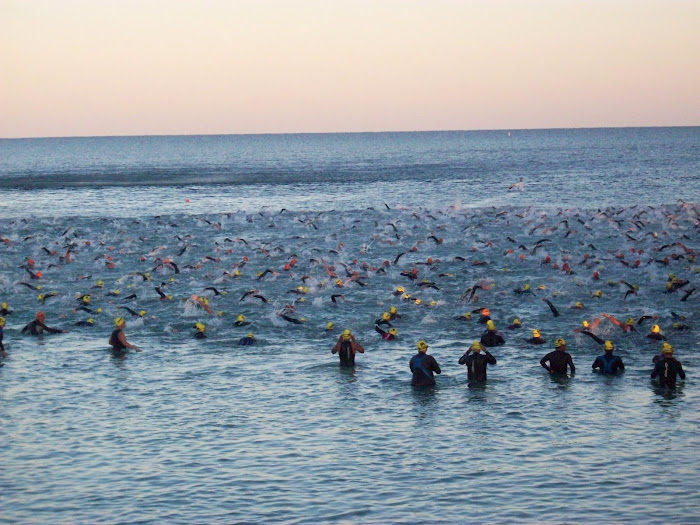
(209, 431)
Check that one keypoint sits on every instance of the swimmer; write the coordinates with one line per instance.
(88, 322)
(559, 359)
(141, 313)
(292, 320)
(485, 315)
(668, 368)
(608, 363)
(118, 340)
(423, 366)
(387, 336)
(655, 333)
(201, 328)
(552, 307)
(394, 313)
(37, 326)
(248, 340)
(3, 353)
(384, 319)
(346, 348)
(5, 310)
(515, 325)
(241, 321)
(536, 338)
(476, 362)
(466, 316)
(491, 337)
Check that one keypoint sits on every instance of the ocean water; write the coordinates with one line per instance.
(207, 431)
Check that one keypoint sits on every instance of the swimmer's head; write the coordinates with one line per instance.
(400, 289)
(666, 349)
(559, 343)
(142, 313)
(630, 321)
(200, 327)
(476, 347)
(535, 333)
(4, 306)
(250, 335)
(485, 312)
(119, 321)
(585, 324)
(655, 329)
(516, 322)
(347, 334)
(40, 316)
(240, 318)
(86, 299)
(578, 304)
(329, 325)
(467, 315)
(490, 325)
(422, 346)
(90, 320)
(393, 331)
(609, 346)
(393, 310)
(386, 316)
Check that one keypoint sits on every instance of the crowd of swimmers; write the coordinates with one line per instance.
(422, 365)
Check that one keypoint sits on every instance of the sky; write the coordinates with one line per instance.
(174, 67)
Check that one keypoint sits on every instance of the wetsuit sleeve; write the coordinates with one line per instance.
(597, 363)
(620, 364)
(50, 330)
(379, 330)
(681, 373)
(655, 372)
(435, 366)
(25, 329)
(543, 362)
(489, 358)
(410, 364)
(463, 359)
(570, 361)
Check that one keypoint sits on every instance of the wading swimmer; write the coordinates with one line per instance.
(476, 362)
(423, 366)
(118, 340)
(346, 348)
(608, 363)
(559, 359)
(491, 337)
(667, 368)
(37, 326)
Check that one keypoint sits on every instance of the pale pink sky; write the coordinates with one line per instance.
(141, 67)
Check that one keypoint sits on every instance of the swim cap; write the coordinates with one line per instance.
(609, 345)
(485, 311)
(526, 287)
(542, 287)
(585, 324)
(236, 272)
(432, 303)
(119, 321)
(392, 310)
(115, 292)
(516, 322)
(250, 335)
(669, 285)
(559, 342)
(4, 306)
(2, 321)
(406, 296)
(200, 327)
(666, 348)
(490, 325)
(598, 293)
(386, 316)
(655, 329)
(476, 346)
(467, 315)
(240, 318)
(40, 297)
(40, 315)
(417, 301)
(630, 321)
(99, 310)
(90, 320)
(142, 313)
(578, 304)
(393, 331)
(535, 333)
(347, 334)
(329, 325)
(86, 298)
(422, 346)
(400, 289)
(338, 282)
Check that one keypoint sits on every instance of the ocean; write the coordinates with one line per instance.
(323, 228)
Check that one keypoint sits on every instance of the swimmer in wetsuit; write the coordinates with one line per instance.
(536, 338)
(476, 362)
(559, 359)
(668, 368)
(491, 338)
(3, 353)
(199, 334)
(346, 348)
(37, 326)
(387, 336)
(118, 340)
(655, 333)
(608, 363)
(423, 366)
(248, 340)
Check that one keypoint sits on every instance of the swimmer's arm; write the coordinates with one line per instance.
(571, 365)
(489, 358)
(463, 359)
(122, 339)
(52, 330)
(543, 362)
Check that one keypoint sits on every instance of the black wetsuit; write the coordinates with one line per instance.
(36, 327)
(484, 319)
(385, 335)
(608, 363)
(246, 341)
(346, 354)
(537, 341)
(476, 364)
(492, 339)
(558, 359)
(666, 370)
(2, 346)
(423, 365)
(118, 347)
(200, 335)
(655, 337)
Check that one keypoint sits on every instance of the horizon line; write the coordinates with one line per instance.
(156, 135)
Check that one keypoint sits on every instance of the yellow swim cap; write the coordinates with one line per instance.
(329, 325)
(666, 348)
(237, 272)
(535, 333)
(200, 327)
(4, 306)
(655, 329)
(250, 335)
(90, 320)
(417, 301)
(422, 346)
(609, 345)
(400, 289)
(392, 310)
(86, 298)
(526, 287)
(393, 331)
(598, 293)
(142, 313)
(476, 346)
(516, 322)
(99, 284)
(630, 321)
(578, 304)
(40, 297)
(386, 316)
(347, 334)
(585, 324)
(432, 303)
(467, 315)
(119, 321)
(240, 318)
(559, 342)
(116, 292)
(490, 325)
(2, 321)
(99, 310)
